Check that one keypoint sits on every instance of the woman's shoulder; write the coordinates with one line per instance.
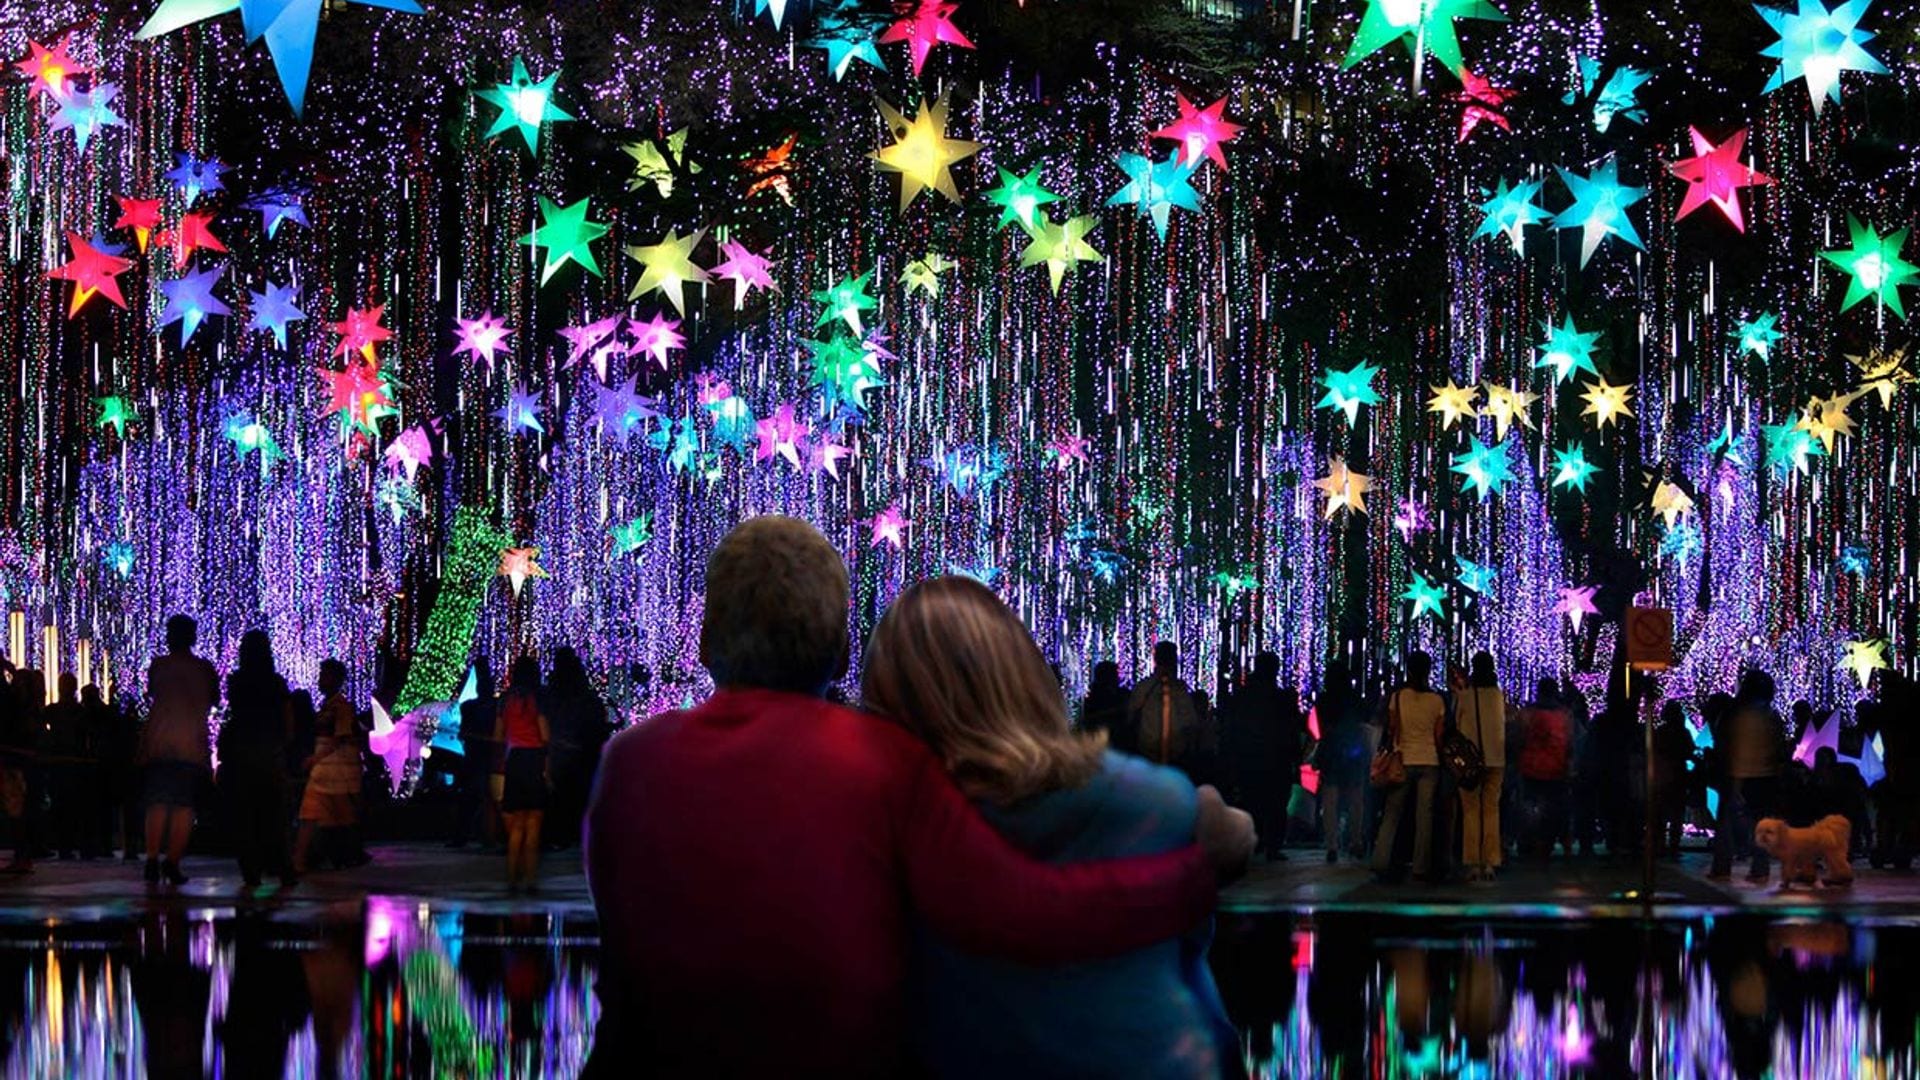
(1136, 781)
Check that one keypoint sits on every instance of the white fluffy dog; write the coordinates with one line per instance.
(1799, 849)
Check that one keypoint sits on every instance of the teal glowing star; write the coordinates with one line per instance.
(1156, 187)
(1350, 389)
(1567, 350)
(250, 436)
(846, 35)
(681, 442)
(845, 300)
(845, 372)
(1682, 543)
(1725, 447)
(1856, 559)
(118, 556)
(633, 535)
(1428, 24)
(1511, 210)
(1232, 585)
(567, 235)
(1487, 468)
(1475, 578)
(1816, 44)
(1875, 265)
(1599, 208)
(1425, 595)
(1758, 335)
(1572, 469)
(1617, 98)
(524, 105)
(1020, 199)
(1789, 446)
(290, 27)
(114, 414)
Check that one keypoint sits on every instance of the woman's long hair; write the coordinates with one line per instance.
(957, 667)
(256, 654)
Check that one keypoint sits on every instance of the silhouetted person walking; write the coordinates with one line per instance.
(1161, 713)
(579, 721)
(1105, 707)
(1265, 728)
(253, 754)
(182, 688)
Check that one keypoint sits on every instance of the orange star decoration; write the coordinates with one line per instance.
(922, 154)
(1883, 371)
(52, 70)
(362, 331)
(140, 215)
(772, 171)
(519, 564)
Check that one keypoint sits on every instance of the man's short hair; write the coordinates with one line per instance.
(1166, 655)
(182, 633)
(776, 608)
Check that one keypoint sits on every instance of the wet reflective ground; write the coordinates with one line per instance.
(413, 989)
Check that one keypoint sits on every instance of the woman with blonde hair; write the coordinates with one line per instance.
(952, 663)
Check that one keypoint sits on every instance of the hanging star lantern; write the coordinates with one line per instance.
(194, 234)
(277, 207)
(1826, 419)
(1862, 659)
(1426, 24)
(657, 337)
(113, 413)
(521, 413)
(481, 338)
(1487, 468)
(1816, 44)
(668, 268)
(922, 25)
(1481, 102)
(923, 275)
(1344, 488)
(921, 152)
(1599, 209)
(249, 436)
(772, 170)
(1572, 469)
(520, 565)
(620, 409)
(1474, 577)
(190, 299)
(1681, 543)
(290, 28)
(1425, 596)
(1618, 98)
(195, 177)
(601, 338)
(94, 269)
(1507, 406)
(1453, 403)
(525, 105)
(655, 162)
(1856, 559)
(1875, 266)
(1789, 446)
(1411, 517)
(49, 70)
(140, 215)
(890, 527)
(568, 236)
(360, 395)
(780, 435)
(1670, 501)
(1758, 335)
(1067, 451)
(1576, 604)
(1199, 133)
(824, 456)
(273, 310)
(845, 372)
(86, 113)
(118, 556)
(1020, 199)
(361, 332)
(1606, 402)
(845, 33)
(632, 535)
(1155, 188)
(747, 269)
(409, 450)
(1714, 175)
(1883, 371)
(1510, 210)
(1060, 246)
(1350, 389)
(1567, 351)
(845, 300)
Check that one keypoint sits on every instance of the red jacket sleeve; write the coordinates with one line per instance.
(981, 894)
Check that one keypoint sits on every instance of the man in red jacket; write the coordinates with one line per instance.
(757, 862)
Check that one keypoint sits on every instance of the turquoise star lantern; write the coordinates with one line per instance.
(1816, 44)
(633, 535)
(845, 371)
(1599, 208)
(1350, 389)
(1875, 265)
(1789, 446)
(1429, 25)
(1487, 468)
(1020, 199)
(1425, 595)
(1156, 187)
(1572, 469)
(1474, 577)
(1618, 97)
(290, 27)
(1567, 350)
(524, 105)
(1511, 210)
(1758, 335)
(845, 300)
(568, 237)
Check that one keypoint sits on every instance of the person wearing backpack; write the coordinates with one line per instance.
(1415, 715)
(1481, 716)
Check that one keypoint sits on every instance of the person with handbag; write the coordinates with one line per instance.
(1415, 715)
(1481, 717)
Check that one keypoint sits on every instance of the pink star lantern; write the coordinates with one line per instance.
(362, 331)
(1200, 132)
(657, 337)
(410, 449)
(923, 25)
(889, 527)
(748, 270)
(51, 70)
(1411, 518)
(355, 391)
(140, 215)
(481, 338)
(1817, 736)
(709, 389)
(1481, 102)
(582, 339)
(93, 272)
(1577, 604)
(195, 234)
(824, 456)
(1066, 450)
(1714, 175)
(779, 434)
(519, 564)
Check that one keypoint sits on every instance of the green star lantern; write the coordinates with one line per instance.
(1428, 24)
(568, 237)
(1020, 199)
(525, 105)
(1350, 389)
(1875, 265)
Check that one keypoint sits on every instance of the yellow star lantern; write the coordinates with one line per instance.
(1863, 659)
(1507, 406)
(1606, 402)
(921, 153)
(1454, 403)
(1060, 246)
(1670, 503)
(1826, 419)
(1883, 371)
(923, 275)
(1345, 489)
(669, 267)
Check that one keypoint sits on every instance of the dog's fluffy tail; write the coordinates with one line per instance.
(1842, 829)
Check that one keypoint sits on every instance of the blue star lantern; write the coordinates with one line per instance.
(290, 27)
(195, 177)
(273, 310)
(1511, 210)
(1567, 350)
(1487, 468)
(1156, 187)
(276, 207)
(1350, 389)
(1572, 469)
(1618, 97)
(86, 113)
(190, 300)
(1759, 335)
(1474, 577)
(1599, 208)
(521, 412)
(846, 35)
(1816, 44)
